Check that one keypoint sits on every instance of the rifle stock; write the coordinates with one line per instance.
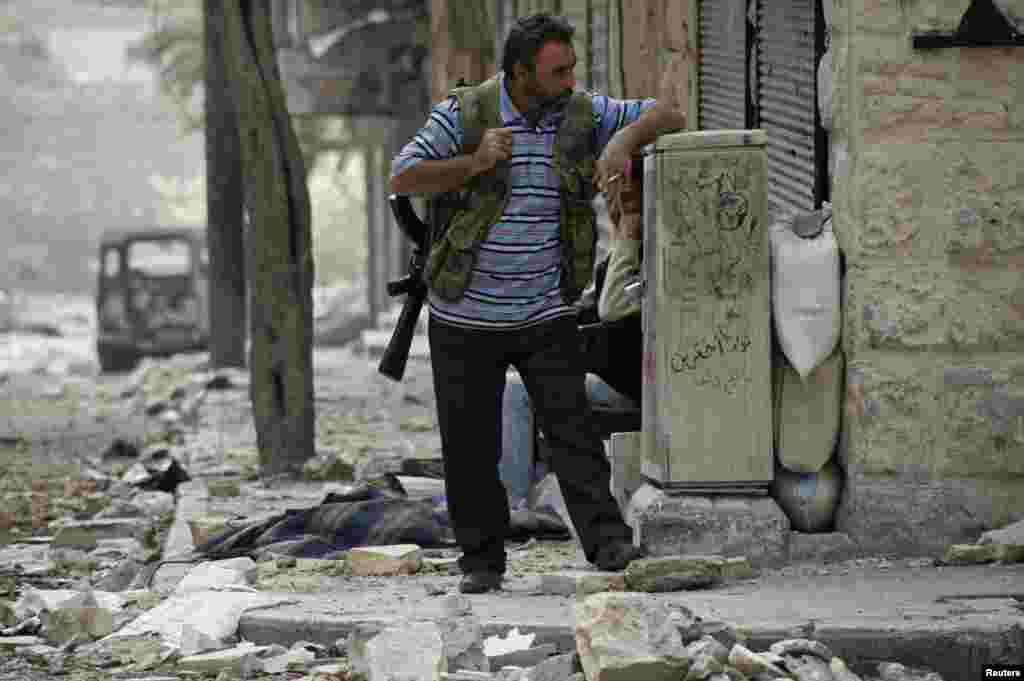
(396, 354)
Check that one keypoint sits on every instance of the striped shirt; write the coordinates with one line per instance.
(516, 279)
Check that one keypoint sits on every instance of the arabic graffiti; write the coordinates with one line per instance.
(717, 344)
(730, 384)
(714, 238)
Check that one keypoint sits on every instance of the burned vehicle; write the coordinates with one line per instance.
(152, 295)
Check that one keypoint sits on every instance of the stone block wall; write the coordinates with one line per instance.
(928, 194)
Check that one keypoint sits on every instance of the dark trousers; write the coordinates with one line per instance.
(469, 378)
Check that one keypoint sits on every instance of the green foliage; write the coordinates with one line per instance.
(332, 152)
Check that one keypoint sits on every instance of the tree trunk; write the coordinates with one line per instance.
(279, 247)
(224, 227)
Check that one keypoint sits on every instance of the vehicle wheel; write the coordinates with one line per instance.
(115, 359)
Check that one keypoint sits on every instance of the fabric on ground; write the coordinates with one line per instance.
(373, 513)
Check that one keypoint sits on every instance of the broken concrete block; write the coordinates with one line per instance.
(119, 577)
(233, 661)
(738, 567)
(528, 657)
(75, 538)
(118, 549)
(206, 526)
(807, 667)
(102, 528)
(221, 574)
(592, 584)
(1011, 534)
(708, 656)
(398, 559)
(461, 633)
(8, 618)
(223, 488)
(802, 646)
(293, 660)
(632, 635)
(407, 650)
(328, 466)
(753, 664)
(840, 672)
(9, 644)
(153, 503)
(80, 617)
(1010, 553)
(557, 668)
(444, 566)
(674, 573)
(970, 554)
(512, 641)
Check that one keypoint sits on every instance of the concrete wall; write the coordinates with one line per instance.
(928, 191)
(659, 57)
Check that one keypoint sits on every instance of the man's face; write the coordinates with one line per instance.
(552, 79)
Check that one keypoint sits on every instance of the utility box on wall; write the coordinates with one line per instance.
(707, 407)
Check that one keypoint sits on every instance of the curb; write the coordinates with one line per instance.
(954, 650)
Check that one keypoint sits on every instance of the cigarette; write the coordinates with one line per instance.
(613, 178)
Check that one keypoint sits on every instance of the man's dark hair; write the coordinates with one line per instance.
(529, 34)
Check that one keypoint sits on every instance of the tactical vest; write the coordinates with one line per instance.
(453, 253)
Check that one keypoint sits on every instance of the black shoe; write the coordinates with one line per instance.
(615, 556)
(480, 582)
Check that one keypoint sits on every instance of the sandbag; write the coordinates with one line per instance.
(808, 413)
(806, 302)
(809, 500)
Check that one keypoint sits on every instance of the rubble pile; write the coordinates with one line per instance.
(619, 634)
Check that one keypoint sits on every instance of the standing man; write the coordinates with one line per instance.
(526, 153)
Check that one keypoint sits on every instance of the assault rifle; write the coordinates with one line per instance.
(412, 285)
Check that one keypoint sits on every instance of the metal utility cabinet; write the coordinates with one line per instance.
(707, 415)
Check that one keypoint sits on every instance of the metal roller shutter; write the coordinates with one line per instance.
(787, 101)
(723, 65)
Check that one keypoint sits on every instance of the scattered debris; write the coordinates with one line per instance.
(399, 559)
(223, 488)
(674, 573)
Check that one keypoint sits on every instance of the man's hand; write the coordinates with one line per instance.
(613, 164)
(625, 208)
(495, 146)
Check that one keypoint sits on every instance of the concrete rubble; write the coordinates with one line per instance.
(651, 621)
